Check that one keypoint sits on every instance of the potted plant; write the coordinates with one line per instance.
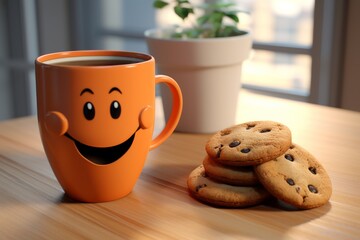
(206, 61)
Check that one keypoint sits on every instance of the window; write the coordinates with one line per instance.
(279, 24)
(28, 28)
(112, 24)
(297, 47)
(292, 41)
(18, 48)
(296, 54)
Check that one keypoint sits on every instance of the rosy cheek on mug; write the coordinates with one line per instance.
(145, 117)
(56, 123)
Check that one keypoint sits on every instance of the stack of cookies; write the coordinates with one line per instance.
(250, 162)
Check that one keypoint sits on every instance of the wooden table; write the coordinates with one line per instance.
(33, 205)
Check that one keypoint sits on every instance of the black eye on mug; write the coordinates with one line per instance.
(115, 109)
(89, 111)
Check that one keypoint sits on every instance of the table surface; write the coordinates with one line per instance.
(33, 205)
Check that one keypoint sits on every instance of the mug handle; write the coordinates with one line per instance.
(177, 105)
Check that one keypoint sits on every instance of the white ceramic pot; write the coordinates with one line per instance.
(208, 72)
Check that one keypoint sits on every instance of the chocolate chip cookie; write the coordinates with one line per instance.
(233, 175)
(297, 178)
(206, 190)
(249, 143)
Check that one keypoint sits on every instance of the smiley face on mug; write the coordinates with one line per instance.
(102, 120)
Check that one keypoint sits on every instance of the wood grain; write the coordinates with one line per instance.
(33, 205)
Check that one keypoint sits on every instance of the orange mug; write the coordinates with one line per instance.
(96, 119)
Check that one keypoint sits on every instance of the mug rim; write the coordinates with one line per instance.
(143, 57)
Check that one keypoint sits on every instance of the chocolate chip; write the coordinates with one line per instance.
(250, 126)
(289, 157)
(265, 130)
(219, 146)
(245, 150)
(290, 181)
(219, 150)
(225, 132)
(312, 170)
(198, 187)
(234, 143)
(312, 188)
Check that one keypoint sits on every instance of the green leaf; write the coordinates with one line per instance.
(182, 1)
(203, 19)
(232, 16)
(220, 4)
(177, 35)
(216, 17)
(160, 4)
(183, 12)
(228, 31)
(192, 33)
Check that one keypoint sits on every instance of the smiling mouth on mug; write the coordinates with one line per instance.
(103, 155)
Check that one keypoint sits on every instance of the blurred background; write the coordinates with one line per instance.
(306, 50)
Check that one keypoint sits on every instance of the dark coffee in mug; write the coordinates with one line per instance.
(94, 61)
